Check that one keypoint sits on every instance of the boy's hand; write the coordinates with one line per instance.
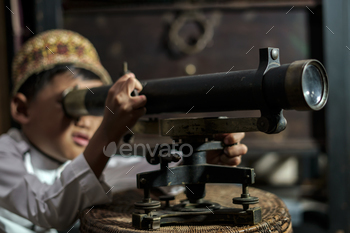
(230, 155)
(121, 113)
(123, 110)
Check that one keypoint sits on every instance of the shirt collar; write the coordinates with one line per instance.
(39, 158)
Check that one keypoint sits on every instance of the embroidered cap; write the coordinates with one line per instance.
(53, 47)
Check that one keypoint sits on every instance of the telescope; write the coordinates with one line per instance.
(301, 85)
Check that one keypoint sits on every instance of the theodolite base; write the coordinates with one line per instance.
(156, 219)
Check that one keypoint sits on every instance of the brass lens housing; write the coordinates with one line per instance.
(310, 91)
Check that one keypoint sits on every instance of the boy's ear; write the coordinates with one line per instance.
(19, 108)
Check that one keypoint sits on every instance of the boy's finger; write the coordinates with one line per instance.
(116, 86)
(230, 161)
(132, 84)
(138, 101)
(233, 138)
(127, 76)
(138, 85)
(236, 150)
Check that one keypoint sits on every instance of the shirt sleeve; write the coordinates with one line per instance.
(49, 206)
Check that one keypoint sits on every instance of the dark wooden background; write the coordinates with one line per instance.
(140, 37)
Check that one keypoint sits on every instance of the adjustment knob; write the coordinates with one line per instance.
(167, 199)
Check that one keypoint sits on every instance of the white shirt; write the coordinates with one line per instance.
(38, 193)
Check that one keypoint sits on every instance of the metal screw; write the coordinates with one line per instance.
(167, 199)
(274, 54)
(143, 181)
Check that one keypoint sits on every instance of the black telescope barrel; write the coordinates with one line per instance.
(95, 100)
(301, 85)
(85, 101)
(202, 93)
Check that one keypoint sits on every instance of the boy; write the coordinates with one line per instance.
(52, 168)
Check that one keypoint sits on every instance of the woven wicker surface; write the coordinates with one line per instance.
(117, 217)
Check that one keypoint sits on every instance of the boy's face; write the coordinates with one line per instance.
(49, 129)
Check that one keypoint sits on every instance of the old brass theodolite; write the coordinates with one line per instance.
(301, 85)
(194, 137)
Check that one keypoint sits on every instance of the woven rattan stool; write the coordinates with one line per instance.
(117, 216)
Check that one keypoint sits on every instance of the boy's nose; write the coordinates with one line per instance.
(83, 122)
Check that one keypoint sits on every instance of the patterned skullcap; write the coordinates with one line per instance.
(50, 48)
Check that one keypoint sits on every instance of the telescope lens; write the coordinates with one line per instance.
(312, 84)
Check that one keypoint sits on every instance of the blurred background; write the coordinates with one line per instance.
(307, 164)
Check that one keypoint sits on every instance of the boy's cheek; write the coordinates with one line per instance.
(97, 121)
(54, 130)
(63, 144)
(71, 150)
